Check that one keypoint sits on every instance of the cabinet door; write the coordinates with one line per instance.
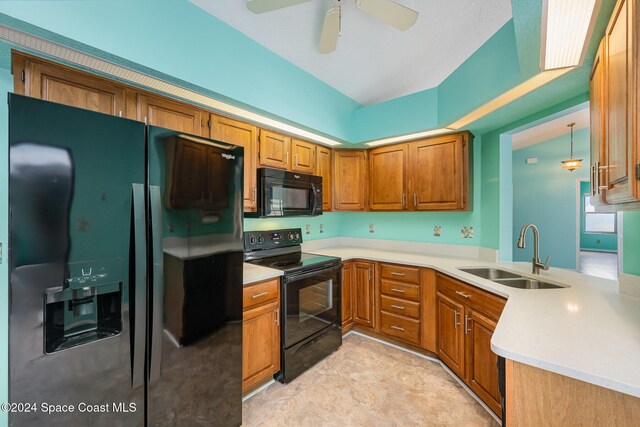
(245, 135)
(274, 150)
(597, 127)
(619, 88)
(364, 294)
(451, 334)
(387, 178)
(347, 296)
(68, 86)
(438, 178)
(172, 115)
(260, 344)
(188, 175)
(350, 174)
(303, 155)
(482, 363)
(323, 169)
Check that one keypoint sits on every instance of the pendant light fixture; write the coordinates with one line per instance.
(571, 164)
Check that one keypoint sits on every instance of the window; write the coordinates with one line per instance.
(598, 222)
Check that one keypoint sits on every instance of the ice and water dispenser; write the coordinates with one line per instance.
(87, 308)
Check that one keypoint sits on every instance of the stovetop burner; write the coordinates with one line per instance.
(296, 261)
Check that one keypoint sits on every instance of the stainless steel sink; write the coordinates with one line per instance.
(510, 279)
(491, 273)
(526, 283)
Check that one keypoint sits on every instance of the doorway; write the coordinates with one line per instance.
(597, 237)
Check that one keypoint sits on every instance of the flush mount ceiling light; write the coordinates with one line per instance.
(566, 27)
(571, 164)
(387, 11)
(408, 137)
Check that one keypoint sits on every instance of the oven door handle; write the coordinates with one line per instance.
(288, 278)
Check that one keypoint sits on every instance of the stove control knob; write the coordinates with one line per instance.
(291, 237)
(297, 236)
(260, 240)
(252, 240)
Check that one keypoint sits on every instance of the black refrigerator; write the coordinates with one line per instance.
(125, 252)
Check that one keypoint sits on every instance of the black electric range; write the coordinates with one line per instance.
(311, 289)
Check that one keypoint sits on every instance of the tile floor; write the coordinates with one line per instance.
(600, 264)
(367, 383)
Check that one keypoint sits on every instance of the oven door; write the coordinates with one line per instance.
(282, 197)
(311, 303)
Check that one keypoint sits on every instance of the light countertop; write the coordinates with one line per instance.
(588, 331)
(255, 273)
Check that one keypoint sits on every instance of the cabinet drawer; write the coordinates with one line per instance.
(400, 273)
(400, 306)
(400, 327)
(483, 301)
(400, 290)
(260, 293)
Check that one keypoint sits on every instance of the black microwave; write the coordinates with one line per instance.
(282, 193)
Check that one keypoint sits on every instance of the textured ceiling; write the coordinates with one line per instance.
(551, 129)
(373, 62)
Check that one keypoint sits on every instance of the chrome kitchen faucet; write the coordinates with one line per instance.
(537, 265)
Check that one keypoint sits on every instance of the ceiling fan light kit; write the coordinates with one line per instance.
(387, 11)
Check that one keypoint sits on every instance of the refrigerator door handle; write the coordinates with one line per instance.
(157, 288)
(140, 286)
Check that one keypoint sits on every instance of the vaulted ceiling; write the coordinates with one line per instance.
(373, 61)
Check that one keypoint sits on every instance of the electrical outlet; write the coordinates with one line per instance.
(321, 228)
(372, 228)
(307, 229)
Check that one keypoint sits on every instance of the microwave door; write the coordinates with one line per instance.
(285, 198)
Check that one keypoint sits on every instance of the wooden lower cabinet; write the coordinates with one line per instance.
(364, 301)
(467, 317)
(347, 296)
(482, 371)
(450, 334)
(260, 333)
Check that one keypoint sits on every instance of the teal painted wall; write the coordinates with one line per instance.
(594, 241)
(631, 243)
(490, 185)
(408, 114)
(495, 64)
(506, 197)
(6, 84)
(544, 194)
(196, 49)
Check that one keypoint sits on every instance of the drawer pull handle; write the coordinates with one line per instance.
(397, 274)
(462, 294)
(397, 327)
(397, 290)
(399, 307)
(261, 294)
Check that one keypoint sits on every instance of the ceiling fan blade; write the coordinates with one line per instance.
(260, 6)
(330, 31)
(388, 11)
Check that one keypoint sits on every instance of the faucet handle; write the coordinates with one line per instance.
(546, 263)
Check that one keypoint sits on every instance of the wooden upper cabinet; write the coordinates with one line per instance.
(244, 135)
(67, 86)
(274, 149)
(303, 156)
(350, 175)
(323, 169)
(388, 178)
(598, 123)
(619, 183)
(440, 171)
(165, 113)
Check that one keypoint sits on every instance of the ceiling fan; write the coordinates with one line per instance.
(387, 11)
